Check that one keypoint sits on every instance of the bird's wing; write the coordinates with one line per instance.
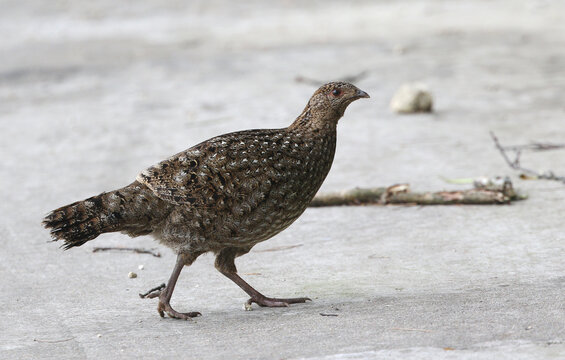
(216, 171)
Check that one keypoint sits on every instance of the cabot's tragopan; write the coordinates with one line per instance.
(223, 195)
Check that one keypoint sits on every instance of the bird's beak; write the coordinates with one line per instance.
(361, 94)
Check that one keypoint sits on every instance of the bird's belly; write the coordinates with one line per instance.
(266, 221)
(243, 224)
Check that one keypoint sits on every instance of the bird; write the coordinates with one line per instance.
(223, 195)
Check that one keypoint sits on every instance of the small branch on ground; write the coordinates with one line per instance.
(410, 329)
(53, 341)
(517, 150)
(135, 250)
(401, 194)
(279, 248)
(349, 78)
(533, 146)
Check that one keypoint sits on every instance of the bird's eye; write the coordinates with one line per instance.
(336, 92)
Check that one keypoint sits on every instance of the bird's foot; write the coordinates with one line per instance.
(165, 307)
(264, 301)
(153, 293)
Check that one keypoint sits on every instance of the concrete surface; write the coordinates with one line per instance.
(93, 92)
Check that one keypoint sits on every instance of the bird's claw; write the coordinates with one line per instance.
(274, 302)
(164, 305)
(163, 308)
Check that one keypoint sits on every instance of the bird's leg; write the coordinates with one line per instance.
(166, 293)
(260, 299)
(226, 265)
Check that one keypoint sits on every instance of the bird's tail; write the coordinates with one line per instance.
(82, 221)
(124, 210)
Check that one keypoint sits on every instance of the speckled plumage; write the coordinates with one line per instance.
(224, 195)
(239, 189)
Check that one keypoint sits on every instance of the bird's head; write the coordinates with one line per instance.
(334, 98)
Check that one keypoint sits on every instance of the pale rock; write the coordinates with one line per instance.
(412, 98)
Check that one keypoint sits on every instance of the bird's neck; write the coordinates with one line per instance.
(316, 121)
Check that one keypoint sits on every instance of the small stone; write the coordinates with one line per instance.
(399, 49)
(412, 98)
(132, 275)
(99, 336)
(141, 267)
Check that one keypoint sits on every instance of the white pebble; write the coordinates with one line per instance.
(99, 336)
(412, 98)
(141, 267)
(132, 275)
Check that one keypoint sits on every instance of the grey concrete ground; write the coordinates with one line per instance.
(93, 92)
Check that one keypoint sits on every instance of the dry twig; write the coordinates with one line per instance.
(401, 194)
(53, 341)
(279, 248)
(135, 250)
(410, 329)
(515, 164)
(349, 78)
